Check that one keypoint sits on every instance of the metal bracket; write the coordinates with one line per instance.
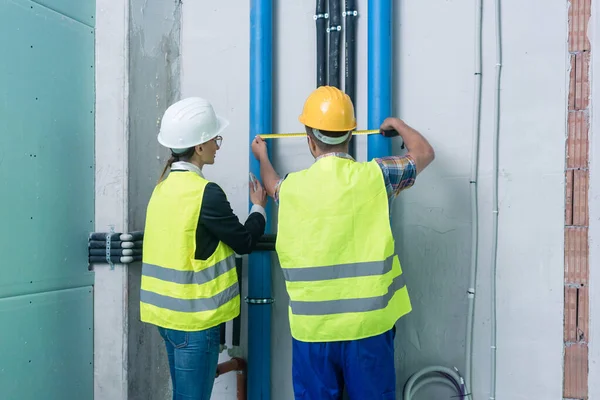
(259, 301)
(334, 28)
(348, 13)
(108, 239)
(319, 16)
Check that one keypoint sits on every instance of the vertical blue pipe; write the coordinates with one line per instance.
(379, 74)
(259, 269)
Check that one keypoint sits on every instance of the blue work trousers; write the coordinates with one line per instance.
(365, 366)
(193, 358)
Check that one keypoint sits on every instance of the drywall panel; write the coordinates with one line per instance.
(47, 353)
(434, 65)
(110, 301)
(46, 111)
(154, 29)
(82, 11)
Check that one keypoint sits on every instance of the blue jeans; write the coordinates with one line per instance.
(365, 367)
(193, 358)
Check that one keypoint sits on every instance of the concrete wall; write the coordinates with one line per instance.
(434, 41)
(154, 39)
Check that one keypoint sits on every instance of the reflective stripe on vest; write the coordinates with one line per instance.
(178, 291)
(348, 305)
(190, 305)
(336, 250)
(186, 277)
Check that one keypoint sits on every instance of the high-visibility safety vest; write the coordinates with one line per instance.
(336, 250)
(178, 291)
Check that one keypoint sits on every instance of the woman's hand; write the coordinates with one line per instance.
(259, 148)
(258, 195)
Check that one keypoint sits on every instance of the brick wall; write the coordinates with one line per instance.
(576, 207)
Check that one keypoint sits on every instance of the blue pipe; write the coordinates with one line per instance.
(259, 269)
(379, 80)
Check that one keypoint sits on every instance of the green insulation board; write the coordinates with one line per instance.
(46, 199)
(47, 346)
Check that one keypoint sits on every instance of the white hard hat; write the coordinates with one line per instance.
(189, 122)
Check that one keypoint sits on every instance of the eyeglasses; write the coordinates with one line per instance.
(218, 140)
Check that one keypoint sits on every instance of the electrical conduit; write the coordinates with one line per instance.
(495, 172)
(259, 268)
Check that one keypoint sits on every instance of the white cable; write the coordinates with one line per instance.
(474, 199)
(495, 174)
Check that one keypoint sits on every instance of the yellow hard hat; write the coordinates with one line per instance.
(328, 109)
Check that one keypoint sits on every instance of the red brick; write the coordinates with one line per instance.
(580, 197)
(576, 371)
(576, 255)
(583, 313)
(570, 334)
(579, 15)
(582, 81)
(569, 197)
(572, 80)
(577, 140)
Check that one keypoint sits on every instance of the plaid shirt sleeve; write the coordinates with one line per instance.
(399, 173)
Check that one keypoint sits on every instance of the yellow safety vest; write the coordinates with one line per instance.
(336, 249)
(178, 291)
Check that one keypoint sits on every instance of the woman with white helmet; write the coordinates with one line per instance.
(189, 282)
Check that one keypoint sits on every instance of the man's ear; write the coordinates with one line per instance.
(198, 149)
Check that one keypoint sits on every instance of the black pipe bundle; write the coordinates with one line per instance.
(335, 31)
(321, 22)
(115, 248)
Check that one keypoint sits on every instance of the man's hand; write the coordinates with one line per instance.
(259, 148)
(258, 195)
(418, 147)
(391, 127)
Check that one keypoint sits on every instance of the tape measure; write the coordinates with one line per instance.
(296, 135)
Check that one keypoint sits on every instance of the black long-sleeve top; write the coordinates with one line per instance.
(218, 222)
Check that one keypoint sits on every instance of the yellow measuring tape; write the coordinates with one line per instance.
(295, 135)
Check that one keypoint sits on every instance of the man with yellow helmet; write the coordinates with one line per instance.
(336, 250)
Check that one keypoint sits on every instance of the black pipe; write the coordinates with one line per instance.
(222, 333)
(351, 15)
(114, 259)
(321, 22)
(335, 31)
(101, 244)
(131, 236)
(115, 252)
(237, 321)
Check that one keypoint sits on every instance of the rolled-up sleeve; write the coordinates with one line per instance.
(399, 173)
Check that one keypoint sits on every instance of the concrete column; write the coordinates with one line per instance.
(110, 293)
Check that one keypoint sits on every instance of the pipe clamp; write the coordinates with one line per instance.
(334, 28)
(349, 13)
(260, 301)
(319, 16)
